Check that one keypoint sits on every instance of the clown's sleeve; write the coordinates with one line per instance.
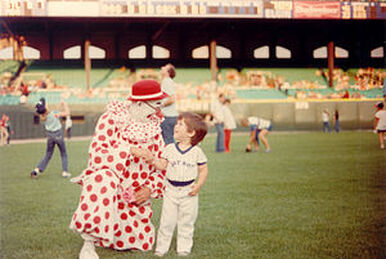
(156, 180)
(103, 141)
(100, 147)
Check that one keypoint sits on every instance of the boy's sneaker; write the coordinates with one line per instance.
(35, 173)
(183, 253)
(268, 150)
(66, 174)
(248, 150)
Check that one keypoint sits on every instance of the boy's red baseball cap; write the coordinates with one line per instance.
(146, 90)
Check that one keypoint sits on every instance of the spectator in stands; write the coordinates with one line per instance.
(54, 137)
(217, 111)
(24, 93)
(259, 129)
(336, 121)
(326, 121)
(229, 125)
(169, 107)
(346, 95)
(380, 123)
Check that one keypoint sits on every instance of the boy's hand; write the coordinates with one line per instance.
(195, 190)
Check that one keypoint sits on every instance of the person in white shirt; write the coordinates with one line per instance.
(217, 111)
(260, 128)
(184, 161)
(326, 121)
(229, 125)
(169, 106)
(380, 123)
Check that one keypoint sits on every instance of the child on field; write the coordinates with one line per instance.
(259, 128)
(3, 130)
(229, 124)
(184, 161)
(380, 123)
(326, 121)
(54, 137)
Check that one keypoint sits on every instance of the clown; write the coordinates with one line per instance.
(114, 210)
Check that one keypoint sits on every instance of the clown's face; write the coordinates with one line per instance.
(141, 110)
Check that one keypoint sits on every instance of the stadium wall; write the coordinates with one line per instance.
(286, 115)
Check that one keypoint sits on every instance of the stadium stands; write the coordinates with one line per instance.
(63, 81)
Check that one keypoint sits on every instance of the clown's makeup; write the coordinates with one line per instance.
(142, 110)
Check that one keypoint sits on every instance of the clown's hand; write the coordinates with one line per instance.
(145, 154)
(138, 152)
(142, 195)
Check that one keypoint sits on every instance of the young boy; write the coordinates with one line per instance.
(54, 137)
(380, 123)
(184, 161)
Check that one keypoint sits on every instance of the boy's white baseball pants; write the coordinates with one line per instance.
(178, 208)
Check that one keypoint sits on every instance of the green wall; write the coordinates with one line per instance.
(285, 116)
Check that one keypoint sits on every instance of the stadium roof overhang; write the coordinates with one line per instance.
(240, 35)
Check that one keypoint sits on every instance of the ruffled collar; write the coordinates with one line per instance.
(131, 129)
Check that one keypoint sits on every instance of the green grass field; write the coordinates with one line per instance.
(314, 196)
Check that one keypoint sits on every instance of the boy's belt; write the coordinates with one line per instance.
(179, 184)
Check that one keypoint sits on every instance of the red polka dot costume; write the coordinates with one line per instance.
(102, 212)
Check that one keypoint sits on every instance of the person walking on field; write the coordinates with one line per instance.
(336, 121)
(326, 121)
(54, 134)
(169, 106)
(3, 130)
(229, 125)
(217, 111)
(380, 123)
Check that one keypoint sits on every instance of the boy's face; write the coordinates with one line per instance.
(181, 132)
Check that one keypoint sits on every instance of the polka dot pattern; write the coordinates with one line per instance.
(102, 211)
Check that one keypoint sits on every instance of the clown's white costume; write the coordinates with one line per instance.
(103, 216)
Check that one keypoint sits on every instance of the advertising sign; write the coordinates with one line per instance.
(316, 10)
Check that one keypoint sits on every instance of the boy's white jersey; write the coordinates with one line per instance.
(260, 123)
(183, 165)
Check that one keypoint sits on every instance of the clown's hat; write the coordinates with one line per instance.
(146, 90)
